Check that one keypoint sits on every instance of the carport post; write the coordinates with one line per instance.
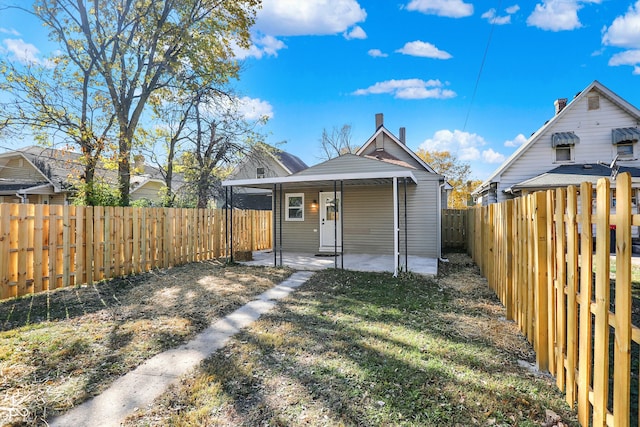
(406, 243)
(341, 224)
(280, 225)
(274, 240)
(335, 224)
(396, 228)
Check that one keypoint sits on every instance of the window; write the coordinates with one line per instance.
(563, 153)
(593, 102)
(295, 207)
(625, 149)
(259, 172)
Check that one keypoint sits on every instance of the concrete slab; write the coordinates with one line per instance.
(357, 262)
(140, 387)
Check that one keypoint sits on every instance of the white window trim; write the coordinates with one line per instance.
(571, 154)
(289, 196)
(630, 156)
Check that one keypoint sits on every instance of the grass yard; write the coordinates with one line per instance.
(59, 349)
(365, 349)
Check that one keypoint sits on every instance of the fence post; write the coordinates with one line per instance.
(541, 343)
(511, 264)
(601, 328)
(622, 345)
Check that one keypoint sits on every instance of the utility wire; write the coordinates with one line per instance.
(484, 58)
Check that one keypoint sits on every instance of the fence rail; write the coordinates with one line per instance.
(537, 253)
(45, 247)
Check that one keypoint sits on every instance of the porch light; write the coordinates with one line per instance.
(314, 204)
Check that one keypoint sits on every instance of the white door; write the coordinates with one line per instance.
(330, 218)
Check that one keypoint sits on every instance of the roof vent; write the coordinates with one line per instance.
(587, 167)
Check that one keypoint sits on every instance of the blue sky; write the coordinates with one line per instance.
(319, 64)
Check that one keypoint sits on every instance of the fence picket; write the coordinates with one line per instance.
(581, 328)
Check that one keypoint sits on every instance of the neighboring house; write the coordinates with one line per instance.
(263, 161)
(46, 176)
(382, 200)
(594, 129)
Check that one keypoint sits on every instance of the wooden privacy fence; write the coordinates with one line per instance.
(537, 254)
(454, 229)
(45, 247)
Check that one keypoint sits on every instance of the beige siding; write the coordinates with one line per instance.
(594, 129)
(18, 168)
(247, 169)
(150, 190)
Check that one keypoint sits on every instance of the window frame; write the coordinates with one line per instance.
(288, 207)
(260, 174)
(625, 144)
(563, 147)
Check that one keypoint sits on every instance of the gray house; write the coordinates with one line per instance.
(382, 200)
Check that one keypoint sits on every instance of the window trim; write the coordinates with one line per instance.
(626, 144)
(260, 174)
(288, 207)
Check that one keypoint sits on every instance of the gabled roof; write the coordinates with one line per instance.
(607, 93)
(384, 130)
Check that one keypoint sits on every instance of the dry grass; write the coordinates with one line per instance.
(60, 348)
(365, 349)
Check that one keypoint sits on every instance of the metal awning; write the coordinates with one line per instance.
(564, 138)
(622, 135)
(356, 178)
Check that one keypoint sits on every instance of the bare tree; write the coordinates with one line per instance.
(337, 142)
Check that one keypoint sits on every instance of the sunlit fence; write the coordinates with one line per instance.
(45, 247)
(548, 259)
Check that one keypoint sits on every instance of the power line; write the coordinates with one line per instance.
(484, 58)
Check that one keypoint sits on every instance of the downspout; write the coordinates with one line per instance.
(22, 197)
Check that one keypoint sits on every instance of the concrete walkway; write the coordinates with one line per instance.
(140, 387)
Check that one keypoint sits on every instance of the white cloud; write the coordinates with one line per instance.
(628, 57)
(261, 46)
(308, 17)
(24, 53)
(355, 33)
(409, 89)
(516, 142)
(490, 156)
(448, 8)
(466, 146)
(377, 53)
(423, 49)
(557, 15)
(512, 9)
(491, 15)
(10, 31)
(254, 108)
(625, 29)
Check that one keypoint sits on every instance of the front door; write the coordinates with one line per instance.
(330, 218)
